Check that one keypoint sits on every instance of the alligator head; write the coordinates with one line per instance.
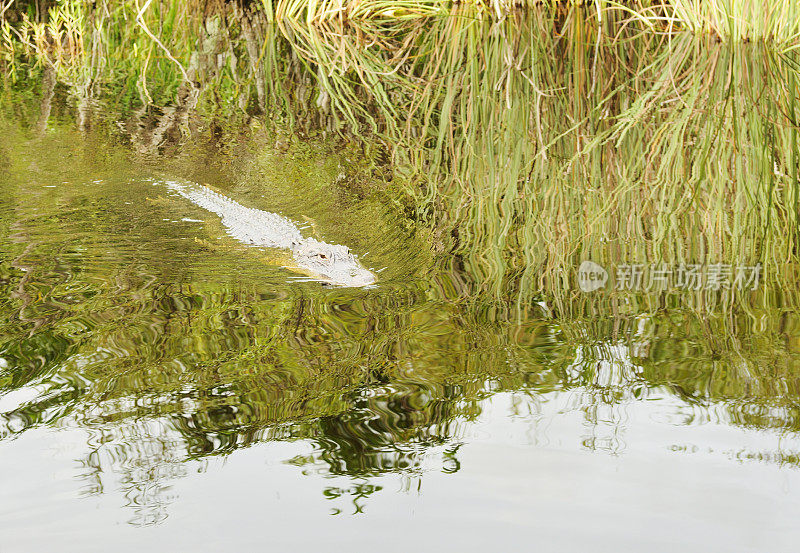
(331, 263)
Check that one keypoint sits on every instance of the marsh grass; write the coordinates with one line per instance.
(529, 141)
(536, 152)
(110, 44)
(773, 20)
(738, 19)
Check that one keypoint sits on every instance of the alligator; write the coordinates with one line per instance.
(328, 263)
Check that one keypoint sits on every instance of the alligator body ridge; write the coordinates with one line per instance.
(329, 263)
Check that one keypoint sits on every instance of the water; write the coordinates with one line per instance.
(163, 387)
(160, 393)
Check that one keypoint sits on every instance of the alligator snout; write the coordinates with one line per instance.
(332, 263)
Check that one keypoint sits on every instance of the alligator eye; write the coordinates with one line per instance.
(322, 255)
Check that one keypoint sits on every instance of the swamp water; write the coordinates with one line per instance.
(163, 388)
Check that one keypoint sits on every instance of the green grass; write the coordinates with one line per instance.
(537, 151)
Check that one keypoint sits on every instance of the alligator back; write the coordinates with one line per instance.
(245, 224)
